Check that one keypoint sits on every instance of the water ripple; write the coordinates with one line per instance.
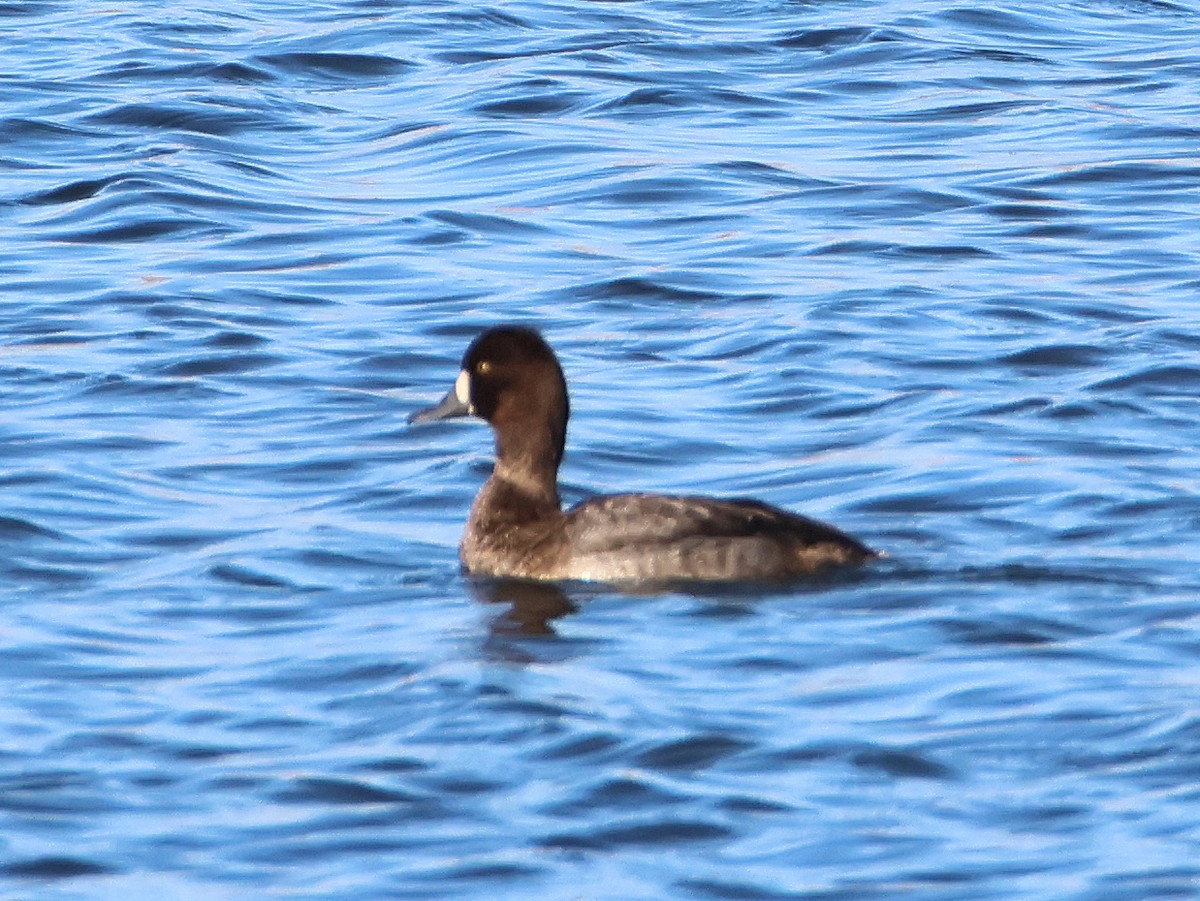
(926, 271)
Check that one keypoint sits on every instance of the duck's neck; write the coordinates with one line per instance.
(528, 461)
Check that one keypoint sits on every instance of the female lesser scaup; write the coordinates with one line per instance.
(517, 528)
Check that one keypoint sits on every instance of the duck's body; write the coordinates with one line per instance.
(517, 527)
(647, 538)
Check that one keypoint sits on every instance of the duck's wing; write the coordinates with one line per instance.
(616, 521)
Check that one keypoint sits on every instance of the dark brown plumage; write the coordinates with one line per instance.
(511, 378)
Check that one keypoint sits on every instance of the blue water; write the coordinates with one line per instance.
(929, 272)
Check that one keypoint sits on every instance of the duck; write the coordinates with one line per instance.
(518, 529)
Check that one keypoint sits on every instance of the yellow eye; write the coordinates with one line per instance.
(484, 368)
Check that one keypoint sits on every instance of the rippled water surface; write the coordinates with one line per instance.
(931, 272)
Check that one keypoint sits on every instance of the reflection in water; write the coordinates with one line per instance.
(532, 605)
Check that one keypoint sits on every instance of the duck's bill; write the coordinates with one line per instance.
(449, 407)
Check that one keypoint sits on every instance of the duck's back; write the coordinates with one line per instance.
(651, 537)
